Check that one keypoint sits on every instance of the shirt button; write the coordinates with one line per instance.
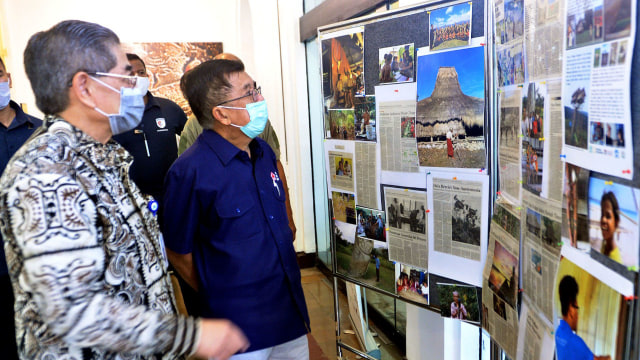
(237, 211)
(271, 217)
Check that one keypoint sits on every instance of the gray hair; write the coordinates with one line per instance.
(53, 57)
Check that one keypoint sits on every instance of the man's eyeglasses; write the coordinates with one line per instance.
(253, 93)
(129, 80)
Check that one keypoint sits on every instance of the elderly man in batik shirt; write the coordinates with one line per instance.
(83, 248)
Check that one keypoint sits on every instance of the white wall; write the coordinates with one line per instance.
(260, 32)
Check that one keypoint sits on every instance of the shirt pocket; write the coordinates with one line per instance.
(237, 220)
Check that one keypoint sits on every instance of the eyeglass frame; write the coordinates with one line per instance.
(253, 93)
(132, 79)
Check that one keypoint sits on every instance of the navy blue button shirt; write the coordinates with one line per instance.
(11, 139)
(161, 122)
(228, 210)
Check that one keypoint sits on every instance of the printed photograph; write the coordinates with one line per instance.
(450, 109)
(587, 312)
(450, 27)
(508, 221)
(510, 65)
(503, 278)
(584, 25)
(536, 261)
(596, 57)
(617, 19)
(532, 126)
(167, 62)
(365, 118)
(509, 118)
(575, 100)
(407, 214)
(343, 166)
(459, 302)
(342, 70)
(499, 307)
(363, 259)
(596, 130)
(370, 224)
(408, 127)
(344, 207)
(342, 124)
(604, 55)
(513, 19)
(543, 228)
(396, 64)
(575, 208)
(613, 221)
(413, 284)
(465, 219)
(622, 52)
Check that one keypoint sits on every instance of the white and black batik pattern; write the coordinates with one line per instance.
(84, 254)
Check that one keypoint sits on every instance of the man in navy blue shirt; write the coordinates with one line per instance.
(225, 222)
(568, 344)
(153, 143)
(15, 129)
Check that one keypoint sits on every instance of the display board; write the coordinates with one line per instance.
(467, 196)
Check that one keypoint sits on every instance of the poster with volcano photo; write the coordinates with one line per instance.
(450, 109)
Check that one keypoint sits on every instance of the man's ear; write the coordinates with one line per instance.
(83, 89)
(10, 81)
(221, 115)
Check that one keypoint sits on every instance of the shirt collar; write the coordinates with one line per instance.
(151, 101)
(103, 156)
(225, 150)
(21, 118)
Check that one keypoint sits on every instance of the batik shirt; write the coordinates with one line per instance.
(85, 254)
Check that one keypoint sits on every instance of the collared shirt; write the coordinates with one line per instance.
(11, 139)
(459, 311)
(192, 129)
(569, 345)
(161, 122)
(228, 210)
(85, 255)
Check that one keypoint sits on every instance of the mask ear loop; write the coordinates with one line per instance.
(105, 84)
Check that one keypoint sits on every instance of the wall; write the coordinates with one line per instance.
(261, 32)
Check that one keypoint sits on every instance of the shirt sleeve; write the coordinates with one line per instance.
(53, 223)
(189, 134)
(180, 220)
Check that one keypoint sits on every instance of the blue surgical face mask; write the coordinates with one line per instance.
(5, 94)
(131, 109)
(258, 117)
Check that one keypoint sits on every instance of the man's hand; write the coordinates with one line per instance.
(220, 339)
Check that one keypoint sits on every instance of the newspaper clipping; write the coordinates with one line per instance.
(341, 169)
(457, 212)
(535, 336)
(398, 147)
(407, 226)
(500, 289)
(366, 180)
(541, 250)
(543, 23)
(509, 146)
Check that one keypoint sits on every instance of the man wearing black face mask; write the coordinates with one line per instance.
(226, 229)
(84, 252)
(15, 129)
(153, 142)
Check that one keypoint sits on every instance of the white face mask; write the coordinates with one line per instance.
(142, 84)
(5, 94)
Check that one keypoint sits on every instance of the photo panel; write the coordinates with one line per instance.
(450, 109)
(459, 302)
(589, 312)
(396, 64)
(450, 27)
(575, 207)
(413, 284)
(362, 259)
(344, 207)
(365, 118)
(613, 222)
